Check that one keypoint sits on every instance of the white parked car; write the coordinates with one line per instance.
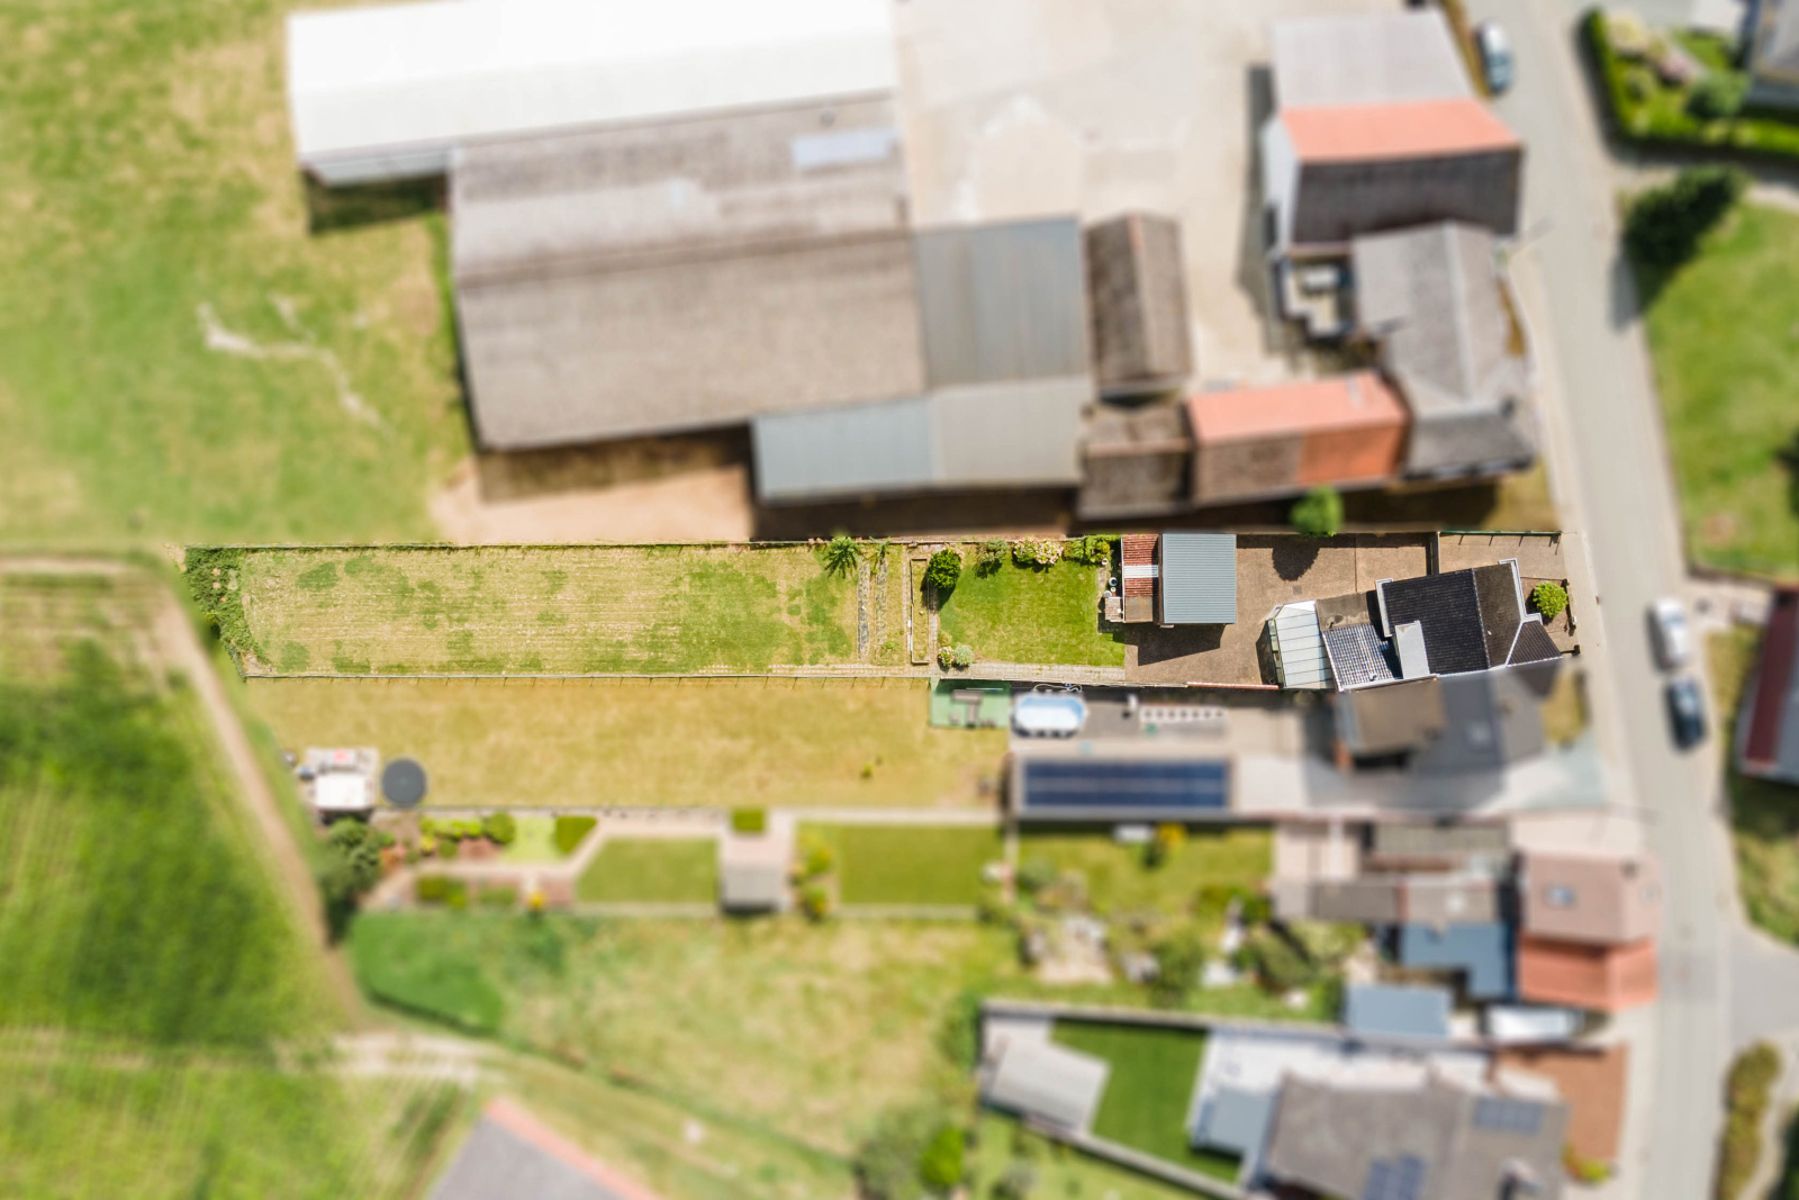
(1672, 636)
(1495, 56)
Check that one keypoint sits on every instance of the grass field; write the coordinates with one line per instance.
(527, 611)
(901, 864)
(652, 870)
(1764, 817)
(179, 359)
(1026, 615)
(710, 742)
(149, 967)
(1721, 333)
(1118, 881)
(1148, 1090)
(1059, 1171)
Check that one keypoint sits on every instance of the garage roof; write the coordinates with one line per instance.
(1198, 582)
(1366, 59)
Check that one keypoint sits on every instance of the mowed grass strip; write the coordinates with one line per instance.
(631, 742)
(1721, 334)
(528, 611)
(1030, 614)
(908, 864)
(652, 870)
(1148, 1091)
(1119, 878)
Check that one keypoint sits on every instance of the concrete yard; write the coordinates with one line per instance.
(1029, 107)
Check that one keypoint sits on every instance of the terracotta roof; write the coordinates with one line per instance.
(1771, 742)
(1417, 129)
(1594, 898)
(1139, 550)
(1358, 401)
(1600, 978)
(1591, 1083)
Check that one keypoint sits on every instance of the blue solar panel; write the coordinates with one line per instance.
(1399, 1178)
(1502, 1115)
(1066, 784)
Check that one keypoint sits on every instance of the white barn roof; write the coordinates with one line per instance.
(385, 93)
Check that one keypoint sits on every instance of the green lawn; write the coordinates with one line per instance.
(1721, 332)
(1029, 615)
(1118, 880)
(536, 611)
(658, 870)
(179, 358)
(592, 742)
(901, 864)
(1060, 1172)
(1149, 1089)
(1764, 817)
(535, 843)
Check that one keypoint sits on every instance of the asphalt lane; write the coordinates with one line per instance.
(1621, 496)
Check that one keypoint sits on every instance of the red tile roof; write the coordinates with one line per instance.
(1359, 401)
(1414, 129)
(1773, 682)
(1138, 550)
(1599, 978)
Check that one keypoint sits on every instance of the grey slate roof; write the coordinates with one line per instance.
(1389, 718)
(1042, 1081)
(1024, 433)
(1198, 581)
(495, 1163)
(1481, 952)
(1436, 842)
(683, 274)
(1003, 302)
(1438, 1141)
(1431, 297)
(1379, 58)
(1137, 292)
(1391, 1010)
(1533, 644)
(1470, 617)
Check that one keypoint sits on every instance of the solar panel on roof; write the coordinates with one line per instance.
(1399, 1178)
(1503, 1115)
(1187, 784)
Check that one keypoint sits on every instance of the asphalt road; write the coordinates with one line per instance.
(1615, 486)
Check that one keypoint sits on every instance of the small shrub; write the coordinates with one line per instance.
(1036, 552)
(440, 889)
(1318, 513)
(570, 832)
(946, 657)
(500, 828)
(1277, 962)
(841, 555)
(1718, 96)
(1093, 550)
(962, 657)
(1160, 848)
(943, 571)
(449, 848)
(959, 1037)
(1179, 958)
(943, 1162)
(1549, 599)
(1034, 875)
(887, 1161)
(749, 820)
(815, 901)
(1019, 1182)
(1584, 1170)
(990, 557)
(816, 858)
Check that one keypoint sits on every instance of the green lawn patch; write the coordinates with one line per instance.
(591, 742)
(1031, 615)
(1764, 817)
(542, 611)
(535, 843)
(1147, 1094)
(1002, 1144)
(179, 357)
(906, 864)
(414, 963)
(653, 870)
(1721, 333)
(1119, 878)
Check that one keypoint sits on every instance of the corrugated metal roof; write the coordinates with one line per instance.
(1299, 647)
(377, 91)
(1003, 302)
(1047, 1082)
(1025, 432)
(1199, 579)
(1371, 58)
(835, 451)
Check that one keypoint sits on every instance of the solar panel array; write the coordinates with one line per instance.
(1399, 1178)
(1503, 1115)
(1071, 784)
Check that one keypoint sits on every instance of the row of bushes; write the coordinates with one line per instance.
(1746, 1094)
(456, 893)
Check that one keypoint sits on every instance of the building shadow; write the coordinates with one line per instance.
(330, 209)
(537, 474)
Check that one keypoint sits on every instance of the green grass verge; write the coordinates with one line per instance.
(1764, 820)
(652, 870)
(583, 743)
(537, 611)
(1721, 334)
(179, 358)
(903, 864)
(1145, 1102)
(1644, 109)
(1119, 880)
(1002, 1145)
(1030, 615)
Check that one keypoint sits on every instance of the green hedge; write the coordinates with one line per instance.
(1751, 1079)
(749, 820)
(571, 831)
(1641, 108)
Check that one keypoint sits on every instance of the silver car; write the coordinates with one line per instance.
(1670, 634)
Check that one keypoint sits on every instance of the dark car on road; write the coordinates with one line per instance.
(1686, 711)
